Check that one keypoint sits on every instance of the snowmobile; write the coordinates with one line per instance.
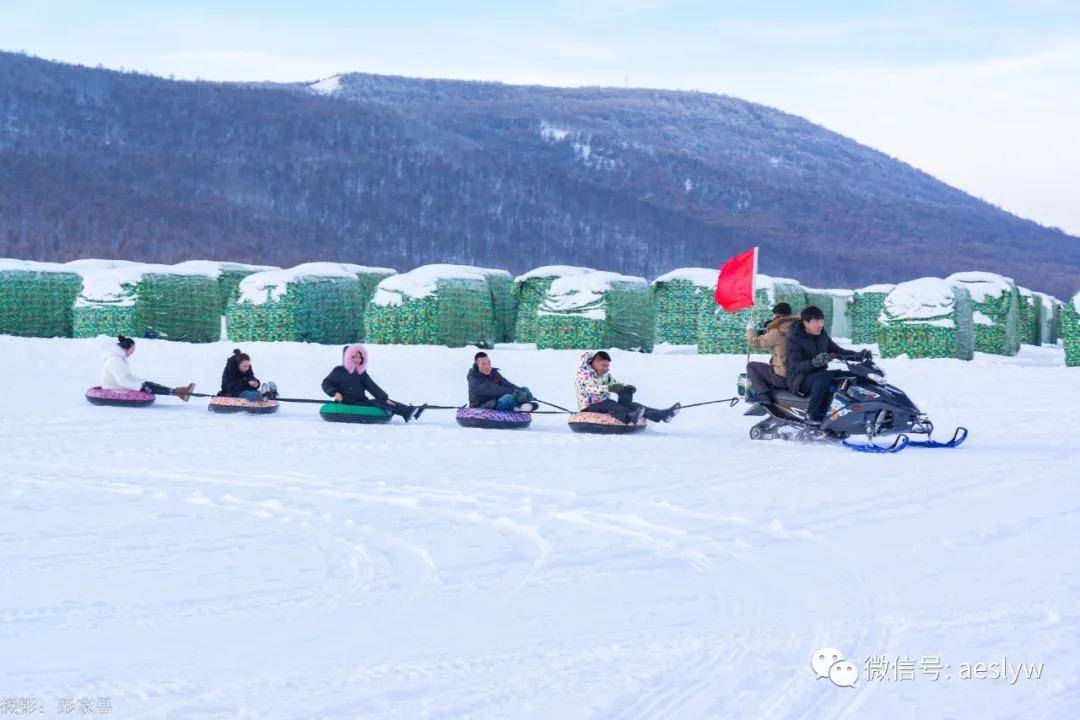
(862, 404)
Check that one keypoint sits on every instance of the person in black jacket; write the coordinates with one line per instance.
(238, 379)
(488, 389)
(350, 383)
(809, 349)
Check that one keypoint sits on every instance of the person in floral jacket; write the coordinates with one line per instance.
(594, 386)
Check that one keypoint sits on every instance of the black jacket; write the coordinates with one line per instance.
(234, 382)
(353, 387)
(801, 349)
(485, 388)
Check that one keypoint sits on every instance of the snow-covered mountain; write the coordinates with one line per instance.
(396, 171)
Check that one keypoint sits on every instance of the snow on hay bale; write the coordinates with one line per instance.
(927, 318)
(320, 302)
(146, 300)
(1029, 317)
(1070, 331)
(36, 298)
(997, 311)
(228, 274)
(597, 310)
(678, 299)
(723, 332)
(836, 305)
(866, 305)
(448, 305)
(530, 290)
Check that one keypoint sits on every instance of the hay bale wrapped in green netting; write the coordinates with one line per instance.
(722, 332)
(145, 300)
(1049, 318)
(530, 290)
(228, 274)
(597, 310)
(1028, 320)
(504, 302)
(1070, 330)
(927, 318)
(866, 304)
(997, 311)
(448, 305)
(836, 305)
(319, 302)
(36, 298)
(678, 301)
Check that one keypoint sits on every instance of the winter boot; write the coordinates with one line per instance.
(526, 407)
(635, 415)
(671, 412)
(184, 393)
(268, 391)
(405, 411)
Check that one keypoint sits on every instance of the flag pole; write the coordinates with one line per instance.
(753, 308)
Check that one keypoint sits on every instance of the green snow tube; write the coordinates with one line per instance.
(363, 414)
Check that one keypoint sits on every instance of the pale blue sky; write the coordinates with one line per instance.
(984, 95)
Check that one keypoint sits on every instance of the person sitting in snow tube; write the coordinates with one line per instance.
(116, 373)
(489, 390)
(349, 383)
(594, 386)
(238, 380)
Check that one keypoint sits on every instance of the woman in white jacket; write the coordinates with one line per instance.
(116, 373)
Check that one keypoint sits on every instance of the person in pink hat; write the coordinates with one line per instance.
(350, 383)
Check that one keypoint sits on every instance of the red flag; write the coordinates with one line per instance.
(735, 285)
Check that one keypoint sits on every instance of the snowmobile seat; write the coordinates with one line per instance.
(790, 399)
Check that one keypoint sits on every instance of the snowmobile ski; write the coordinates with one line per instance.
(957, 439)
(901, 442)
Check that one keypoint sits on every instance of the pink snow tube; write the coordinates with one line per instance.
(119, 397)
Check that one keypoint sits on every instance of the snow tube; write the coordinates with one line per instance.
(601, 424)
(363, 414)
(118, 397)
(492, 419)
(221, 404)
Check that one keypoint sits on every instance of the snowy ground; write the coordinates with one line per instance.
(187, 565)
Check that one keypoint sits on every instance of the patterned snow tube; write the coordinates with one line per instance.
(363, 414)
(220, 404)
(602, 424)
(492, 419)
(118, 397)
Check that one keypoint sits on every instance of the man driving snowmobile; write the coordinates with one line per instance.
(809, 349)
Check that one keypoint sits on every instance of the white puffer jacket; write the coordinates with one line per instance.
(115, 372)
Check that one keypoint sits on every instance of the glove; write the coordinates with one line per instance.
(521, 395)
(866, 355)
(629, 388)
(615, 388)
(820, 360)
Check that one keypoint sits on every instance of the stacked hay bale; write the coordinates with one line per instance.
(228, 274)
(997, 311)
(504, 303)
(145, 300)
(866, 305)
(36, 299)
(315, 302)
(597, 310)
(722, 332)
(448, 305)
(530, 290)
(836, 304)
(678, 299)
(1070, 331)
(927, 318)
(1029, 317)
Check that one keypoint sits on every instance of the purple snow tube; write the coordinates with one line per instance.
(492, 419)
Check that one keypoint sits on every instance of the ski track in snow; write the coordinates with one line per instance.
(188, 565)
